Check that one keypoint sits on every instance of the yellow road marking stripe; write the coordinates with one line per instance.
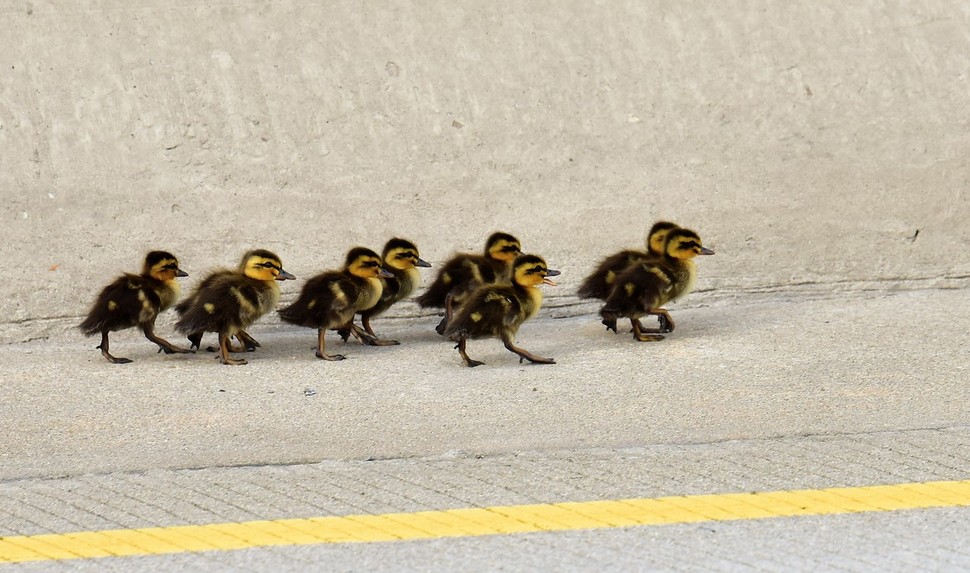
(482, 521)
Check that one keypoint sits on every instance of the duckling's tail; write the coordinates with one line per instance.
(434, 296)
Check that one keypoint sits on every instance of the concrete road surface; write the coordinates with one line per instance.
(821, 149)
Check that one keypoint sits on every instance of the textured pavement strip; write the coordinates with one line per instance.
(384, 495)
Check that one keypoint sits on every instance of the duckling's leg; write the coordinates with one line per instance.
(247, 343)
(525, 353)
(321, 347)
(638, 333)
(163, 345)
(462, 341)
(449, 310)
(371, 339)
(104, 350)
(224, 351)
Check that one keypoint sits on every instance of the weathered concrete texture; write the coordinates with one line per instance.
(807, 143)
(728, 372)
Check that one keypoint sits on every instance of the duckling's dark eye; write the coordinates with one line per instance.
(270, 265)
(509, 249)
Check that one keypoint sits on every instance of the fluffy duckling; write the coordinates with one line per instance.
(466, 271)
(499, 310)
(233, 300)
(645, 287)
(330, 299)
(136, 300)
(195, 338)
(401, 259)
(600, 282)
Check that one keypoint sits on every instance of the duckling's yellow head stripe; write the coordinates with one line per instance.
(657, 236)
(263, 268)
(503, 247)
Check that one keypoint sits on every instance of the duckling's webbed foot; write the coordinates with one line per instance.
(641, 336)
(103, 347)
(322, 345)
(368, 338)
(344, 333)
(224, 352)
(462, 341)
(164, 345)
(526, 354)
(248, 341)
(636, 324)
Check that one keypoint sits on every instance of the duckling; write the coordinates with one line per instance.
(400, 259)
(136, 300)
(466, 271)
(233, 300)
(645, 287)
(195, 338)
(600, 282)
(330, 299)
(499, 310)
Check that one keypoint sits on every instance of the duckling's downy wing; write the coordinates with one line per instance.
(488, 311)
(118, 305)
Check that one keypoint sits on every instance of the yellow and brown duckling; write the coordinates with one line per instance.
(233, 300)
(136, 300)
(498, 310)
(401, 259)
(195, 338)
(600, 282)
(645, 287)
(329, 300)
(464, 272)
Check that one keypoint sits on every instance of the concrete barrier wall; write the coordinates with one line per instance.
(806, 142)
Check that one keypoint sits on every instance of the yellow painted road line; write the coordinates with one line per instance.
(471, 522)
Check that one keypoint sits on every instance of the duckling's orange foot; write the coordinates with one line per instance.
(537, 360)
(175, 350)
(116, 359)
(234, 361)
(103, 347)
(331, 357)
(379, 342)
(642, 337)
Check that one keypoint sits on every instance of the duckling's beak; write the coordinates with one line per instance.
(422, 263)
(285, 276)
(550, 273)
(706, 251)
(386, 273)
(180, 273)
